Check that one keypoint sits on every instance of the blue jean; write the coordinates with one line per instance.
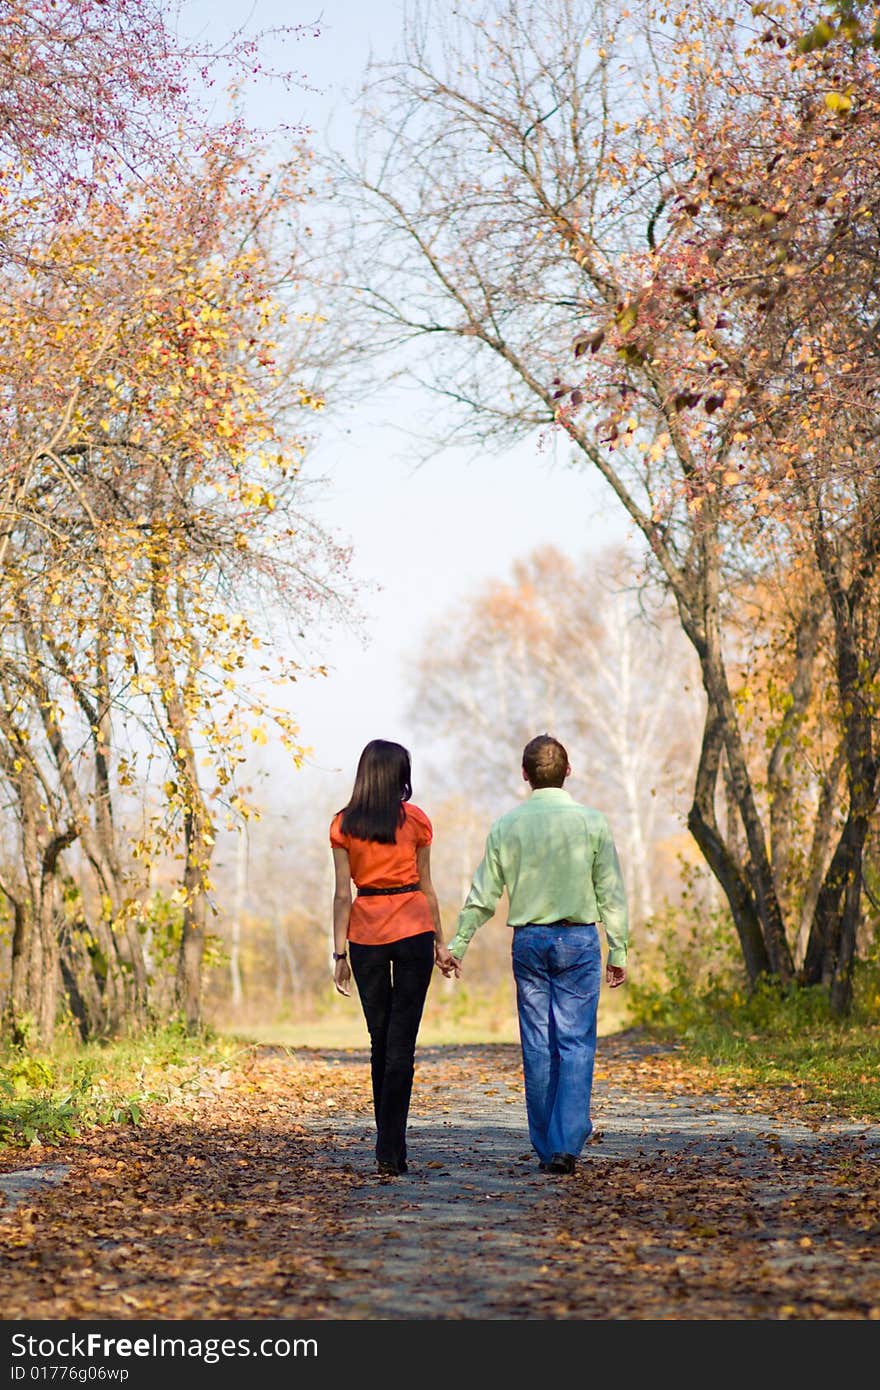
(557, 970)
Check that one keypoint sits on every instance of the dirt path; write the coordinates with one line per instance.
(677, 1204)
(253, 1194)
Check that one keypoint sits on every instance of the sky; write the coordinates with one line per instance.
(423, 537)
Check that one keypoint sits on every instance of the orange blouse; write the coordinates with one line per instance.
(380, 919)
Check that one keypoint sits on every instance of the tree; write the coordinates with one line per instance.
(154, 407)
(152, 392)
(94, 97)
(524, 202)
(764, 285)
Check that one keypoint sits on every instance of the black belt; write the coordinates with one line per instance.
(560, 922)
(376, 892)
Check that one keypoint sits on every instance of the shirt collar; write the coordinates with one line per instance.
(550, 794)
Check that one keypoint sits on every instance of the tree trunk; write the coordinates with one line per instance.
(198, 829)
(188, 981)
(757, 901)
(126, 937)
(23, 970)
(760, 870)
(779, 779)
(47, 919)
(823, 951)
(820, 858)
(855, 661)
(80, 981)
(841, 980)
(241, 858)
(703, 826)
(126, 982)
(47, 1010)
(33, 1000)
(34, 987)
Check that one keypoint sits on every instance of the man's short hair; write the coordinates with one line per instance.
(545, 761)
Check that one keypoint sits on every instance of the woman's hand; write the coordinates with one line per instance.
(446, 961)
(342, 976)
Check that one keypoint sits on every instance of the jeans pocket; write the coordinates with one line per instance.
(578, 947)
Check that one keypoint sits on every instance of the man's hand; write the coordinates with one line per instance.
(615, 975)
(342, 976)
(446, 961)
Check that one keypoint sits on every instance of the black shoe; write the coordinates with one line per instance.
(561, 1163)
(393, 1170)
(544, 1165)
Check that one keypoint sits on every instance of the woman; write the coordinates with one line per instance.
(392, 929)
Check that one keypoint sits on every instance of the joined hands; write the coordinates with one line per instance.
(446, 962)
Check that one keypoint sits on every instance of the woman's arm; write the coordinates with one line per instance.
(442, 956)
(341, 918)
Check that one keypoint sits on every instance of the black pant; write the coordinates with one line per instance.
(392, 982)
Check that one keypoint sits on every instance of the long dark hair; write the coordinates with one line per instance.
(382, 784)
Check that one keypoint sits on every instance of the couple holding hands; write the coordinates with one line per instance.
(558, 863)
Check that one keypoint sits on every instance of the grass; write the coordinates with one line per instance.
(47, 1098)
(837, 1068)
(775, 1038)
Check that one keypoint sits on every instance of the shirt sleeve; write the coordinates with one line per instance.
(611, 897)
(337, 839)
(482, 899)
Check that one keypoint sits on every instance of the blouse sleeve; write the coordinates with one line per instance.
(424, 828)
(337, 839)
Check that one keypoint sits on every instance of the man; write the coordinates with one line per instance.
(559, 865)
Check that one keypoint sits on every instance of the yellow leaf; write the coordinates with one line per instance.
(838, 101)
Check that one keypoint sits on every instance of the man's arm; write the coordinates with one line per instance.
(611, 900)
(480, 903)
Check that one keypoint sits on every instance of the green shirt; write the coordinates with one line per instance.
(557, 860)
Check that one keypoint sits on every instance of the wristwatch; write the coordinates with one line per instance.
(340, 955)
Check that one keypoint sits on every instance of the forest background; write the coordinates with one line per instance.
(534, 390)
